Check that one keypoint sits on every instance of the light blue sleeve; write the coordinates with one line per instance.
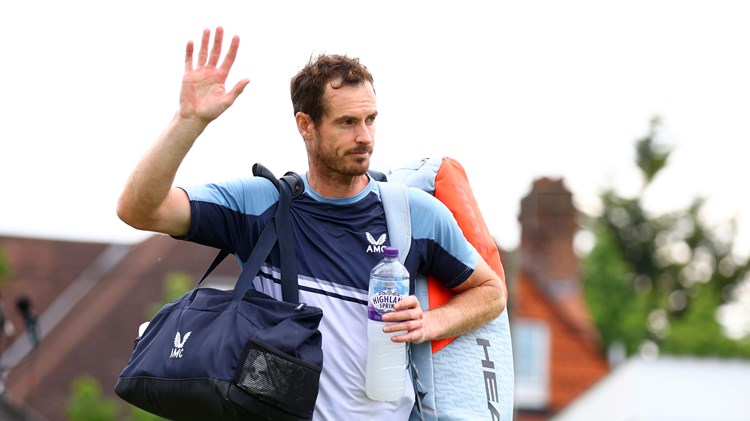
(249, 196)
(433, 221)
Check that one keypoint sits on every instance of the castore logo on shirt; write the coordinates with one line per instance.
(375, 246)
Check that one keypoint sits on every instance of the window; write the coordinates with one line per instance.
(531, 354)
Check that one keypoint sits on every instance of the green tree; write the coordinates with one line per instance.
(87, 403)
(175, 286)
(5, 269)
(661, 278)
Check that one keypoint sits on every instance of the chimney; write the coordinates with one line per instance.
(548, 223)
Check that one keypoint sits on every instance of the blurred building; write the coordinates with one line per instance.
(89, 300)
(556, 346)
(560, 368)
(667, 389)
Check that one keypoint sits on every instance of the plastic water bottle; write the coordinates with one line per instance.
(386, 360)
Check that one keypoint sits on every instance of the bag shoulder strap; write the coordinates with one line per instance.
(279, 229)
(289, 281)
(395, 198)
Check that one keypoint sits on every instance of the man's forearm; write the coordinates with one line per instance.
(150, 182)
(467, 311)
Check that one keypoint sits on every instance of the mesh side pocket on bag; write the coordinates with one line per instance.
(278, 379)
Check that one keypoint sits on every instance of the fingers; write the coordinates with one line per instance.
(403, 320)
(237, 90)
(231, 54)
(189, 56)
(407, 317)
(204, 59)
(203, 52)
(406, 303)
(216, 49)
(411, 331)
(406, 309)
(405, 312)
(203, 85)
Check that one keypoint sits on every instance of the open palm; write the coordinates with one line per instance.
(203, 95)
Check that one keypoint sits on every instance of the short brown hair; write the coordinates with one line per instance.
(308, 85)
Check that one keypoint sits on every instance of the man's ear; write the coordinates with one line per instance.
(305, 125)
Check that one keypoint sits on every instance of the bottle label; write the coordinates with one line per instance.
(382, 302)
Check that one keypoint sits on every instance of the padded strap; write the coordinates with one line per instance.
(395, 198)
(252, 266)
(289, 282)
(377, 175)
(278, 229)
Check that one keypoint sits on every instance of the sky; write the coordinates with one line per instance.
(513, 90)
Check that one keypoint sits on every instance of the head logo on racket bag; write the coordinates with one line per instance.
(490, 380)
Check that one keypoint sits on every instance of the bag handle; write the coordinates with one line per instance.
(279, 229)
(282, 220)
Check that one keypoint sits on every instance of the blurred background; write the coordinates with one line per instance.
(603, 142)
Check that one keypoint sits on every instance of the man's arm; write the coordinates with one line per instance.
(479, 300)
(148, 200)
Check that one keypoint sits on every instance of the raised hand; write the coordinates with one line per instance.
(203, 95)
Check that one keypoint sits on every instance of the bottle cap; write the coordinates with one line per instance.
(390, 251)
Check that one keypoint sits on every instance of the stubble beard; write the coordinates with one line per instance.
(339, 165)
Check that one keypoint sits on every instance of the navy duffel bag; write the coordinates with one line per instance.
(231, 355)
(199, 359)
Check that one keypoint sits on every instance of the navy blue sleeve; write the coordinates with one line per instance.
(230, 215)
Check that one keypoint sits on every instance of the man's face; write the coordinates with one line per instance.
(341, 144)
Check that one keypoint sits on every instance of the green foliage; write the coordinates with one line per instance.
(175, 286)
(698, 332)
(650, 157)
(661, 278)
(5, 268)
(610, 293)
(87, 403)
(137, 414)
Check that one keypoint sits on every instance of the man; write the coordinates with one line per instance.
(335, 112)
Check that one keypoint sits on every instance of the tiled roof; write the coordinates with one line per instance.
(575, 363)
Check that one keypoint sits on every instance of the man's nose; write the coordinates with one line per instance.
(364, 133)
